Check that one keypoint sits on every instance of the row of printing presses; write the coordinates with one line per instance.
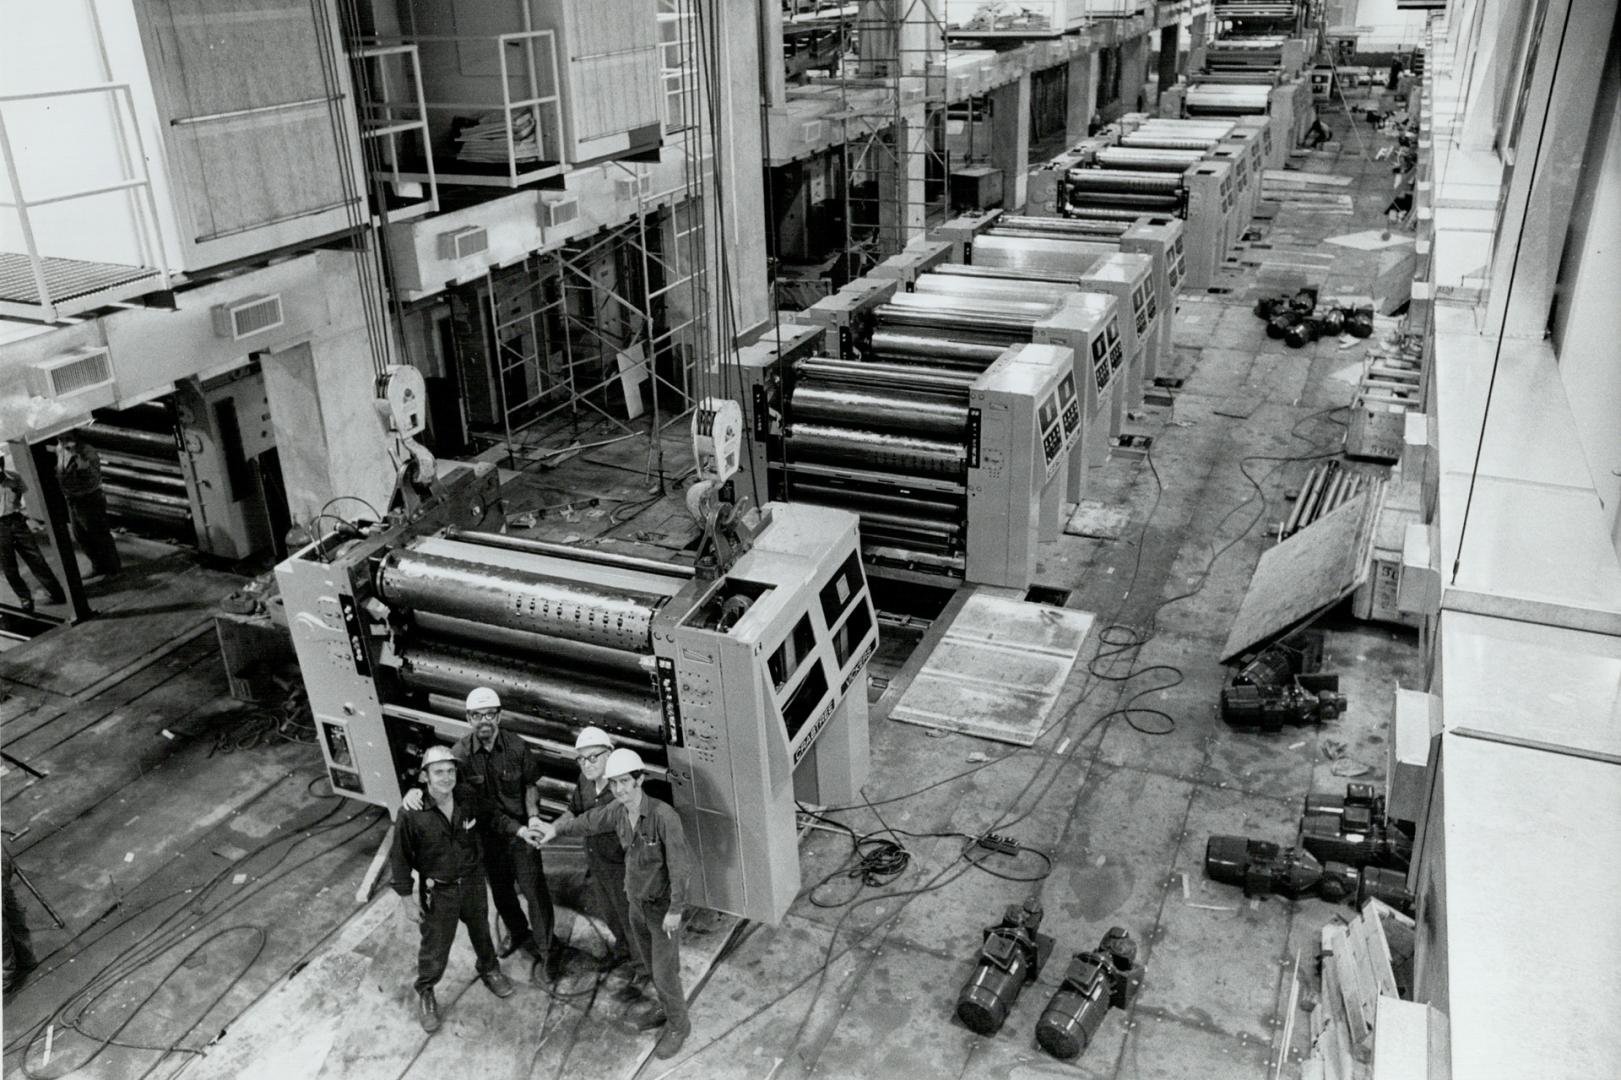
(956, 397)
(1247, 105)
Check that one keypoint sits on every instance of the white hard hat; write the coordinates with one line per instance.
(436, 754)
(592, 736)
(482, 697)
(622, 762)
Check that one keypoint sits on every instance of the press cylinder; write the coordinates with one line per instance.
(887, 452)
(518, 600)
(1123, 180)
(910, 413)
(576, 699)
(1150, 160)
(900, 359)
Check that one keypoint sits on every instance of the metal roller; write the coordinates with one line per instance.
(551, 652)
(518, 600)
(906, 507)
(1017, 225)
(550, 738)
(921, 304)
(876, 450)
(1138, 202)
(1102, 213)
(130, 504)
(1229, 99)
(148, 444)
(1157, 159)
(977, 325)
(1043, 256)
(994, 286)
(119, 476)
(1169, 142)
(905, 412)
(576, 700)
(155, 501)
(948, 382)
(963, 359)
(1122, 180)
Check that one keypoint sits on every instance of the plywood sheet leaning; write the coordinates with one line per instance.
(1316, 569)
(998, 669)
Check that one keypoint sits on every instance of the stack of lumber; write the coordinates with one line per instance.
(1360, 962)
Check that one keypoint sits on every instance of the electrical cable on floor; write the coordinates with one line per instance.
(192, 917)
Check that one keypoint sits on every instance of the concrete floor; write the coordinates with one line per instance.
(195, 883)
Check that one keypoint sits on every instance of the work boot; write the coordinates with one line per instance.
(669, 1044)
(428, 1011)
(497, 981)
(651, 1018)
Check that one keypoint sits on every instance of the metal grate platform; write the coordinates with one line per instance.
(74, 285)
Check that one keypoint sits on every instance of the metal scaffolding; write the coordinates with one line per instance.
(895, 159)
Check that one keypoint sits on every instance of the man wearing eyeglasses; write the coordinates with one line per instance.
(604, 857)
(501, 770)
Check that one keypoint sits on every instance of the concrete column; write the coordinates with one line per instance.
(1082, 96)
(1133, 71)
(1169, 42)
(1199, 32)
(738, 154)
(1010, 138)
(329, 436)
(773, 76)
(902, 211)
(1562, 89)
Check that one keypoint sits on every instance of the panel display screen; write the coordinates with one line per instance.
(800, 708)
(785, 662)
(1069, 401)
(848, 638)
(841, 588)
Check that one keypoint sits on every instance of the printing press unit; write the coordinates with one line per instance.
(994, 245)
(1141, 167)
(951, 449)
(876, 319)
(1256, 76)
(1159, 236)
(738, 680)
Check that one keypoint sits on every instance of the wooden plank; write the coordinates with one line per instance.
(147, 622)
(1293, 178)
(1314, 569)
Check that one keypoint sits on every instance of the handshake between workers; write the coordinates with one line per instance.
(537, 833)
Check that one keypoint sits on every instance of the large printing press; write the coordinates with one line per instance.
(1206, 173)
(738, 678)
(952, 449)
(861, 403)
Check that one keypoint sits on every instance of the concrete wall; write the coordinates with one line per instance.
(1587, 318)
(226, 189)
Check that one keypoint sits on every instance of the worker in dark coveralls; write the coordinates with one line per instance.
(17, 539)
(656, 871)
(604, 857)
(500, 768)
(441, 843)
(19, 943)
(78, 471)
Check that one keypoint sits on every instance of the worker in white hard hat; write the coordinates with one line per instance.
(656, 873)
(604, 857)
(441, 843)
(501, 769)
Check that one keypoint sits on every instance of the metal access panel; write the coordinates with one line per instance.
(777, 694)
(843, 313)
(1017, 478)
(224, 426)
(763, 367)
(1089, 325)
(1159, 236)
(327, 589)
(1210, 205)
